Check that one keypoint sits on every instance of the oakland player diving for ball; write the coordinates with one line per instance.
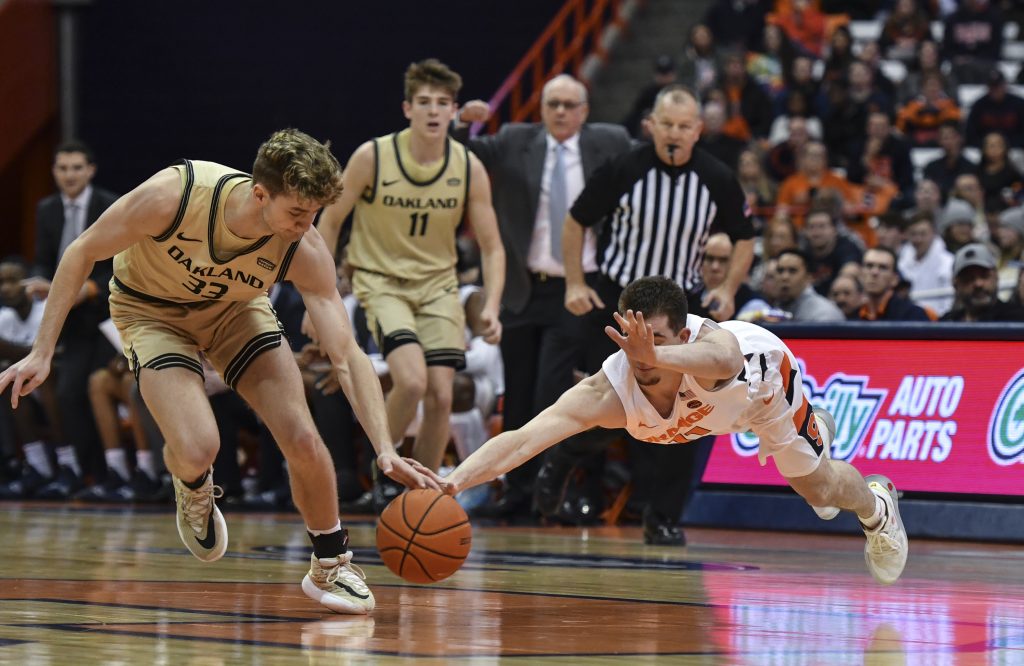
(679, 377)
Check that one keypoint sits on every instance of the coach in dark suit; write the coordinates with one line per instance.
(536, 171)
(60, 219)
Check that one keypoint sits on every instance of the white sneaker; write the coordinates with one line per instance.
(200, 524)
(886, 550)
(827, 428)
(338, 584)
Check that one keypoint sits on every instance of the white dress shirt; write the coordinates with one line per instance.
(540, 259)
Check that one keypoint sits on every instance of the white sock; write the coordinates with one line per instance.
(878, 516)
(145, 462)
(336, 528)
(66, 457)
(35, 455)
(117, 462)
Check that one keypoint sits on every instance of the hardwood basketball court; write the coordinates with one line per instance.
(83, 585)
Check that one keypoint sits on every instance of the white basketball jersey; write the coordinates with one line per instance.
(765, 389)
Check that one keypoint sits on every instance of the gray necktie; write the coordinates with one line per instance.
(558, 201)
(70, 231)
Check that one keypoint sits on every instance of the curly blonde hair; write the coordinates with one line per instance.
(294, 162)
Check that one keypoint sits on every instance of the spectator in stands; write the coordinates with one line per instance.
(1009, 241)
(723, 147)
(977, 286)
(927, 264)
(795, 290)
(967, 187)
(879, 276)
(769, 64)
(759, 189)
(844, 118)
(748, 107)
(907, 26)
(1017, 298)
(60, 219)
(700, 63)
(778, 234)
(956, 224)
(998, 178)
(891, 232)
(831, 253)
(798, 105)
(737, 23)
(713, 270)
(812, 177)
(664, 74)
(840, 55)
(921, 118)
(110, 389)
(20, 317)
(799, 79)
(882, 157)
(998, 110)
(848, 295)
(804, 24)
(871, 55)
(927, 198)
(782, 159)
(952, 163)
(928, 62)
(973, 40)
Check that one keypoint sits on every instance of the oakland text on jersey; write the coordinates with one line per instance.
(418, 202)
(184, 260)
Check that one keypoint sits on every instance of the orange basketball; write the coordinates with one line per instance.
(424, 536)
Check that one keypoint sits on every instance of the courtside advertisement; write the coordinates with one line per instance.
(934, 416)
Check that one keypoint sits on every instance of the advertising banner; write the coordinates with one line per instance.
(933, 415)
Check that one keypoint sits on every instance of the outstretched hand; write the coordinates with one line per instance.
(24, 376)
(636, 339)
(409, 472)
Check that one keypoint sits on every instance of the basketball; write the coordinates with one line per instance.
(424, 536)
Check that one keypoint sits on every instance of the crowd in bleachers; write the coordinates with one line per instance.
(898, 119)
(880, 149)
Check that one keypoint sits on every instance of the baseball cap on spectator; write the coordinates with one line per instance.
(1013, 218)
(956, 211)
(664, 64)
(975, 254)
(995, 77)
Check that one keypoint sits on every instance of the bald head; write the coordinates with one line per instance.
(563, 106)
(717, 253)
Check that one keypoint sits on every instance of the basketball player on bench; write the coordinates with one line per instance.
(678, 377)
(197, 245)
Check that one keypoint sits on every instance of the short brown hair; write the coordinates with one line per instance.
(433, 73)
(656, 296)
(294, 162)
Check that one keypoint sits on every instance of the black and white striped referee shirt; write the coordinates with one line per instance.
(660, 216)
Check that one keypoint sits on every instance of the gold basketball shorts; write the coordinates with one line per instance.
(161, 335)
(425, 312)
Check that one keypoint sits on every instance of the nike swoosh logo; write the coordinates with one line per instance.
(211, 534)
(353, 592)
(183, 237)
(769, 398)
(387, 183)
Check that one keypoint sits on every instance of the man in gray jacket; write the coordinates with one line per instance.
(796, 292)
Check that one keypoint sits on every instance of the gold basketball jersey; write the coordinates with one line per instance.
(198, 259)
(404, 224)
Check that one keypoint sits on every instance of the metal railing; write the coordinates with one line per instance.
(574, 34)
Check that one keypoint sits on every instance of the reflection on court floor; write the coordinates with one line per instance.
(88, 585)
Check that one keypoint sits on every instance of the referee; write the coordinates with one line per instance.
(662, 202)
